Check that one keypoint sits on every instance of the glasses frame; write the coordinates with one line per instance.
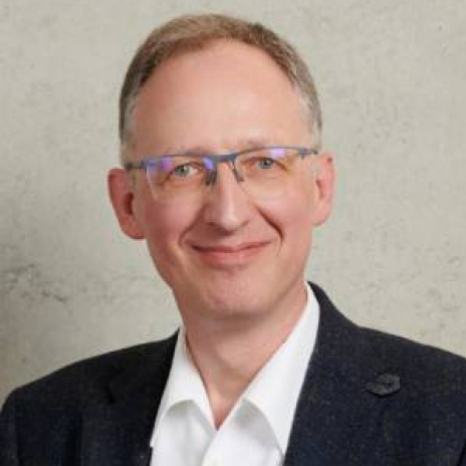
(217, 159)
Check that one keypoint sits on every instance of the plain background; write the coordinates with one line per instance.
(392, 80)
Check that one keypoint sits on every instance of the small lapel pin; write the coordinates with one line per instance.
(384, 384)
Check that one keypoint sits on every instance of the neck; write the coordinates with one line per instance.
(230, 352)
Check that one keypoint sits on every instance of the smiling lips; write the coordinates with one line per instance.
(230, 254)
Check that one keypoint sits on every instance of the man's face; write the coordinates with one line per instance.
(228, 254)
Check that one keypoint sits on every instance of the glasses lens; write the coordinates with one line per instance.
(170, 177)
(267, 172)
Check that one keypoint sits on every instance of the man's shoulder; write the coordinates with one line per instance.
(47, 416)
(411, 396)
(91, 378)
(369, 353)
(424, 369)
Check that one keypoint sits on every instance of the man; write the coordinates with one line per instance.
(225, 179)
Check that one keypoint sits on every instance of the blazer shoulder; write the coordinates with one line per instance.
(90, 379)
(426, 369)
(44, 419)
(386, 359)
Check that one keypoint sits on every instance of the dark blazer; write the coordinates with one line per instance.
(368, 399)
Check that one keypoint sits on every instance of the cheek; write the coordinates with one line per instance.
(164, 227)
(291, 215)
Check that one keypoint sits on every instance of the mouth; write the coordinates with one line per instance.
(230, 254)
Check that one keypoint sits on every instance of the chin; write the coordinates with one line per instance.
(229, 299)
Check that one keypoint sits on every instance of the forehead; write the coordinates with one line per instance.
(225, 92)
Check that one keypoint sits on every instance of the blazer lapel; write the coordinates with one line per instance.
(338, 406)
(116, 432)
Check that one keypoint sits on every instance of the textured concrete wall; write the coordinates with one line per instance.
(392, 76)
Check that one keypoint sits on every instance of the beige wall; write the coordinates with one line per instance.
(392, 77)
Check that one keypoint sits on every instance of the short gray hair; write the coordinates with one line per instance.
(190, 33)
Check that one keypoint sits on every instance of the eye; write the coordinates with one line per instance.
(185, 171)
(264, 163)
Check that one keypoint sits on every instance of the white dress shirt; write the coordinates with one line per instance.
(257, 429)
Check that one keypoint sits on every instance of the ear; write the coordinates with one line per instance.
(122, 197)
(324, 183)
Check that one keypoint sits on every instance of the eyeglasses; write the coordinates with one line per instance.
(263, 172)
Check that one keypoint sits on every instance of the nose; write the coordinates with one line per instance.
(227, 207)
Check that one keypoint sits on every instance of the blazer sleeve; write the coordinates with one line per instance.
(8, 437)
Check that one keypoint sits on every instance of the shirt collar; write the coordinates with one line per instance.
(184, 385)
